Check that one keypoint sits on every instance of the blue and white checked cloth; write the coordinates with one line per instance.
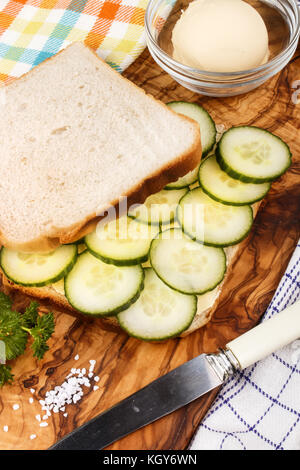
(259, 408)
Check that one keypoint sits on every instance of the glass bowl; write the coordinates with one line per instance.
(282, 20)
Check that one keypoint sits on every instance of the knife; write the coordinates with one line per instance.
(184, 384)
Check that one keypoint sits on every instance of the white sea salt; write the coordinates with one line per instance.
(32, 436)
(70, 391)
(16, 406)
(30, 400)
(5, 428)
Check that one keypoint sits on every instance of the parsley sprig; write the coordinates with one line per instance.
(15, 330)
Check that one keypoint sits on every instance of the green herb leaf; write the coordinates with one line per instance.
(30, 315)
(5, 374)
(12, 334)
(5, 302)
(15, 329)
(41, 333)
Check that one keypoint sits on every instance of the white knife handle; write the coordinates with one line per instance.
(267, 337)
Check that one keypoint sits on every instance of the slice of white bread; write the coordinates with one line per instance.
(75, 137)
(207, 303)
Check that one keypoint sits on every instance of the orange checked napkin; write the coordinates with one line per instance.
(33, 30)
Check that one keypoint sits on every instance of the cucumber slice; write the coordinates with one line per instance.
(185, 265)
(122, 242)
(208, 129)
(211, 222)
(185, 181)
(37, 269)
(221, 187)
(252, 155)
(160, 312)
(159, 208)
(97, 288)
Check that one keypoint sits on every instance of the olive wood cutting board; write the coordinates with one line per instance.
(124, 365)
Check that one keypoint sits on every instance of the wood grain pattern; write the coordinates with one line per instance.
(124, 364)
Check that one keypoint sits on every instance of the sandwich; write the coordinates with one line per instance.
(115, 205)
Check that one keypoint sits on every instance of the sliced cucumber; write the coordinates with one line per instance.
(97, 288)
(211, 222)
(122, 242)
(37, 269)
(185, 265)
(159, 313)
(159, 208)
(184, 181)
(221, 187)
(207, 126)
(252, 155)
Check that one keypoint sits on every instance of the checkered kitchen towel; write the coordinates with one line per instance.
(33, 30)
(259, 409)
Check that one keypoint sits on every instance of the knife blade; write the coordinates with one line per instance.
(184, 384)
(166, 394)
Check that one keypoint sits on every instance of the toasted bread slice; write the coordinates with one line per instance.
(76, 136)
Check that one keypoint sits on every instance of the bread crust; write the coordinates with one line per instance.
(137, 195)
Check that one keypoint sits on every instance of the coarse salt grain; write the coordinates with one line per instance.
(32, 390)
(76, 357)
(30, 400)
(16, 406)
(70, 391)
(32, 436)
(5, 428)
(44, 424)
